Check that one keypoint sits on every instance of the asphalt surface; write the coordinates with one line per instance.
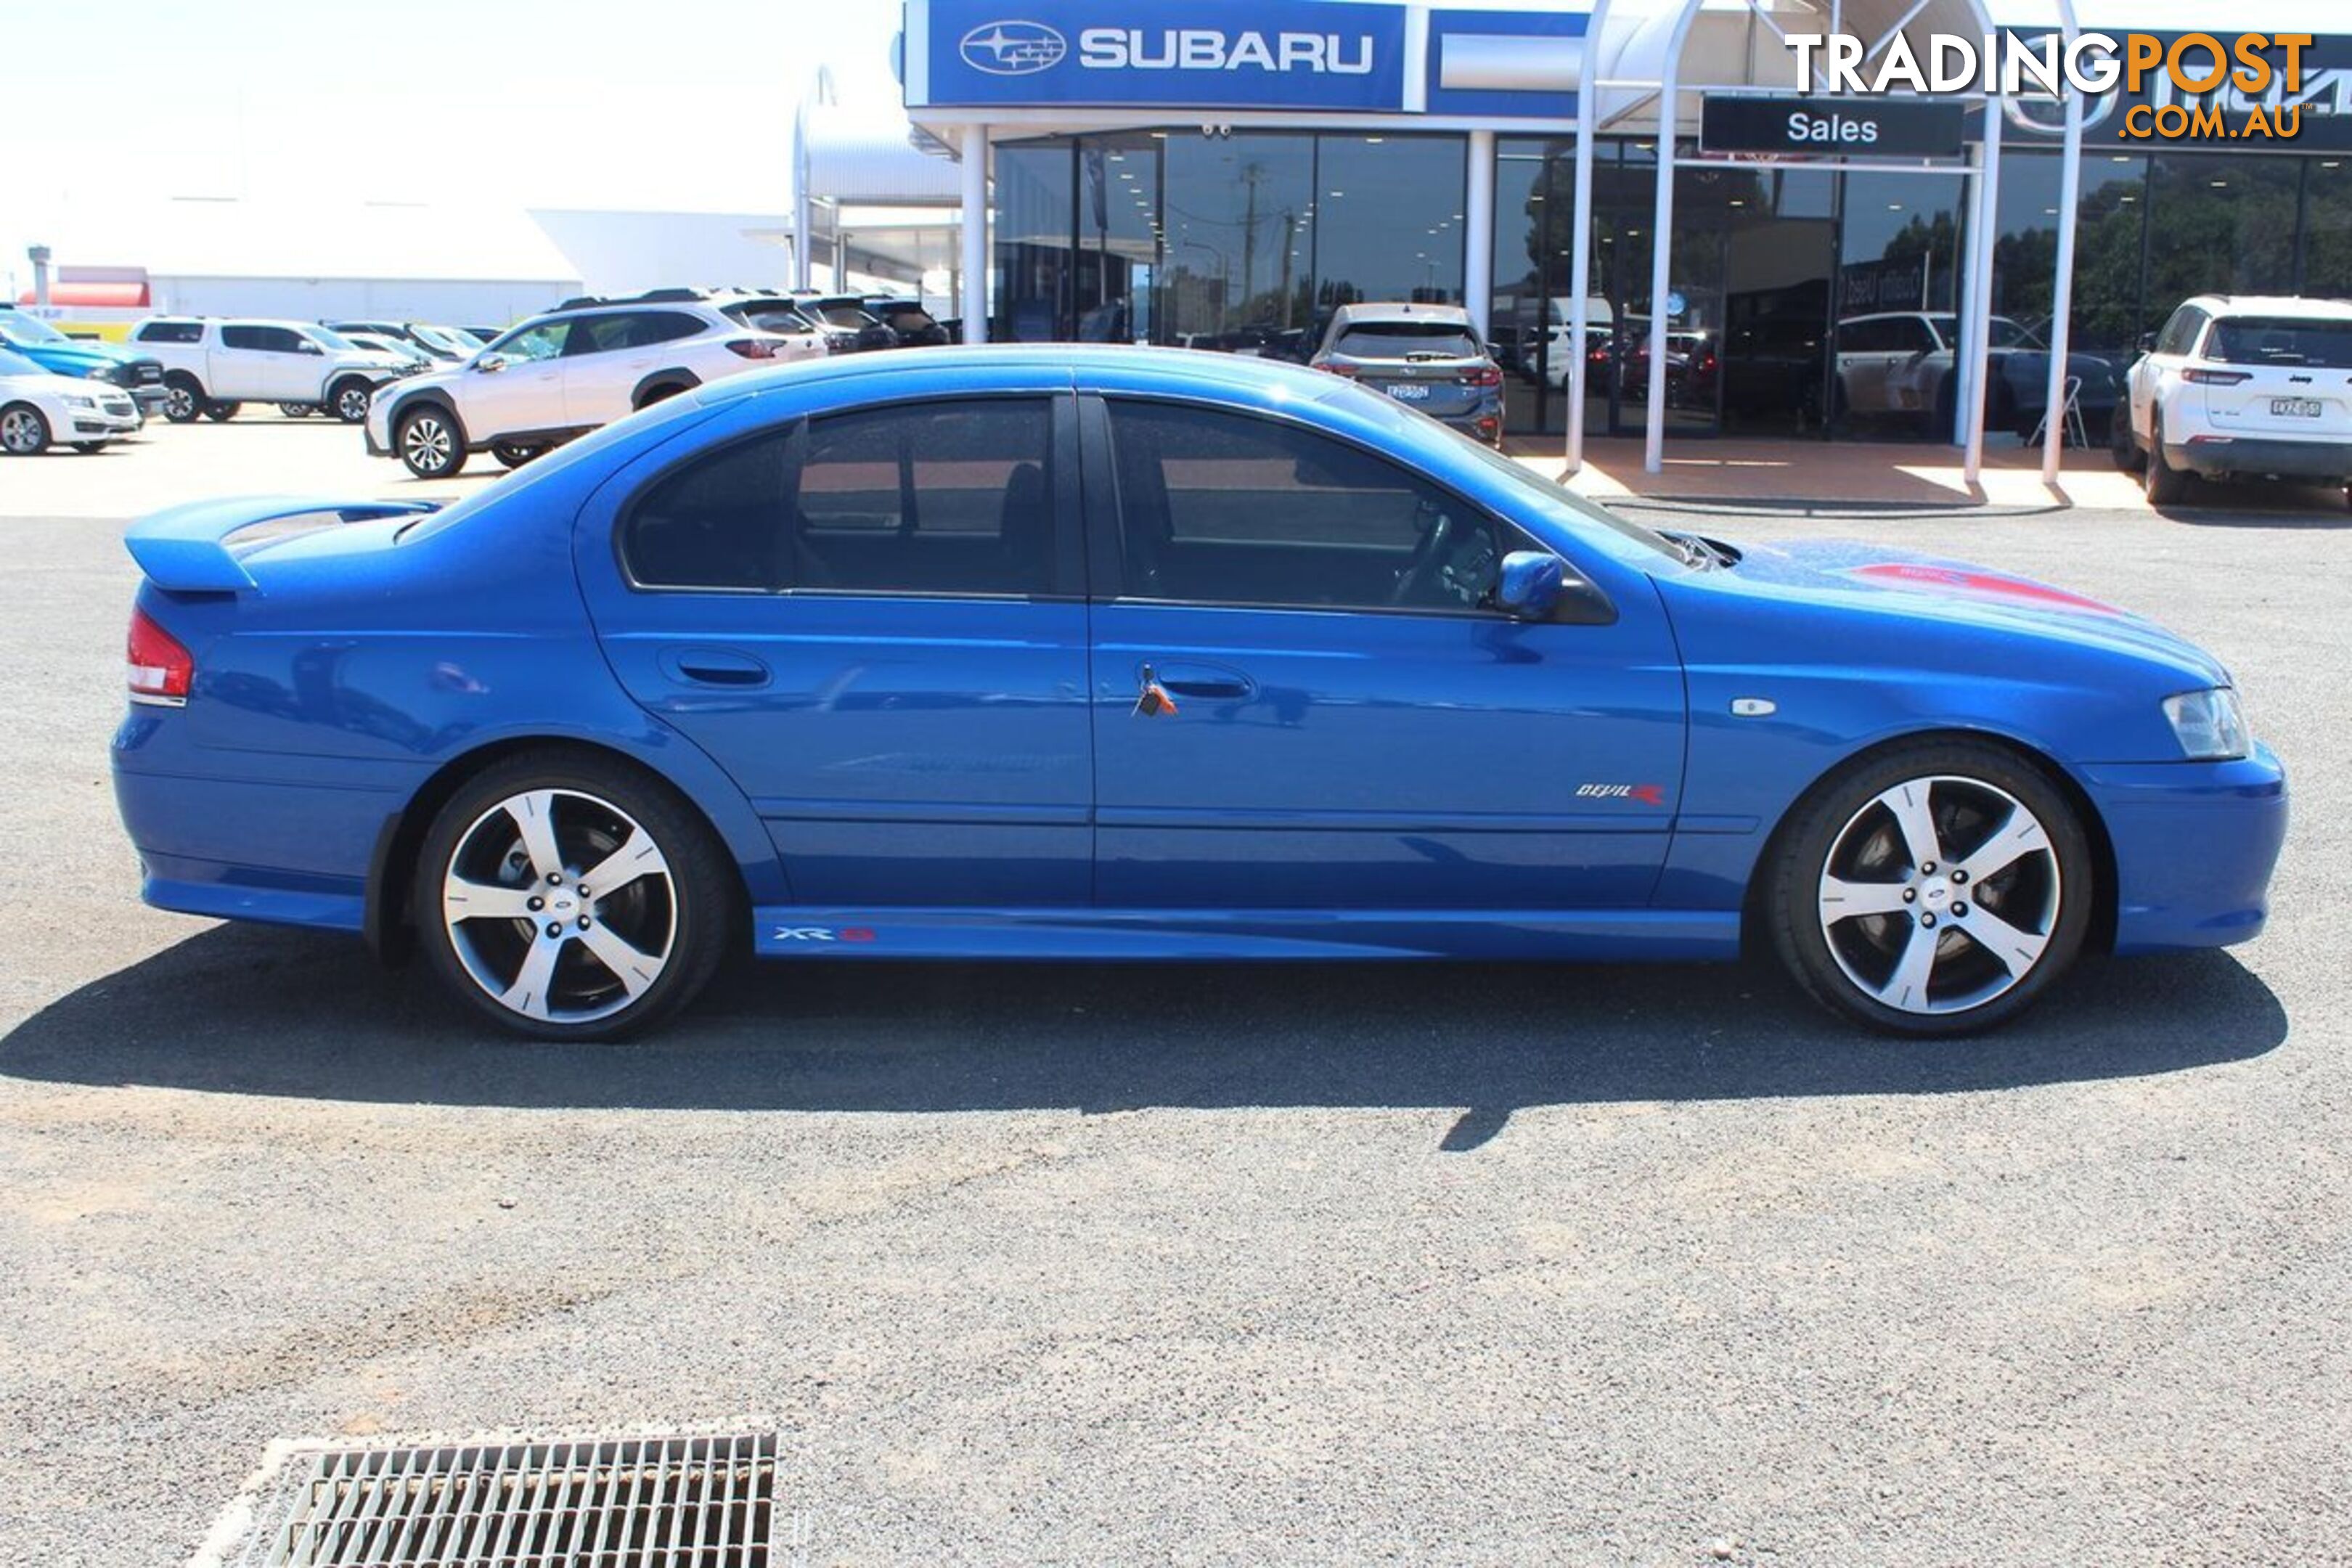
(1468, 1264)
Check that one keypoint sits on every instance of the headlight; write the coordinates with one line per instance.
(2208, 725)
(75, 400)
(100, 372)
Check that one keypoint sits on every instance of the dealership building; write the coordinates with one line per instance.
(1225, 176)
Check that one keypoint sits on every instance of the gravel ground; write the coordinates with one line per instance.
(1031, 1264)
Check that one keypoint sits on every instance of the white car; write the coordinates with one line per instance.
(39, 409)
(576, 368)
(210, 367)
(2251, 386)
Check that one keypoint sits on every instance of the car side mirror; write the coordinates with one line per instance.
(1529, 584)
(487, 362)
(2147, 342)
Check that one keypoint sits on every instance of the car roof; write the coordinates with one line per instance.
(2274, 305)
(935, 372)
(1400, 311)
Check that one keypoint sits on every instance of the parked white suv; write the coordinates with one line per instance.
(212, 367)
(2241, 386)
(580, 367)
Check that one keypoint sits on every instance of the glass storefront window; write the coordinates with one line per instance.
(2327, 229)
(1238, 216)
(2223, 224)
(1033, 219)
(1387, 219)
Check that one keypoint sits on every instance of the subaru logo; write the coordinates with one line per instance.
(1012, 48)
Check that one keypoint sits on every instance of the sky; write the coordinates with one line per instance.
(615, 104)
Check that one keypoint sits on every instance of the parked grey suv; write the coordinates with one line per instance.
(1428, 357)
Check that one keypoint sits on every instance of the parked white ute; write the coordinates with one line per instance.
(39, 409)
(2241, 386)
(213, 368)
(574, 369)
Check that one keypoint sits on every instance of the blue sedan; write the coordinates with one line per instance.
(1109, 653)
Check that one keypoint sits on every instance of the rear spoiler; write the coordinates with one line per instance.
(185, 548)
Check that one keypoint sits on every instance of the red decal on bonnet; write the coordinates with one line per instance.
(1992, 584)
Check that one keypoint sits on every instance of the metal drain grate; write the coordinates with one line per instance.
(615, 1502)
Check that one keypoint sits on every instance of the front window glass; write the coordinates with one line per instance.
(1229, 508)
(544, 341)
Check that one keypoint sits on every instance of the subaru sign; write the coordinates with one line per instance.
(1271, 54)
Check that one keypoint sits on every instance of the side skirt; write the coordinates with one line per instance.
(789, 932)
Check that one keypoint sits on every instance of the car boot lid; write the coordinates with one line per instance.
(201, 547)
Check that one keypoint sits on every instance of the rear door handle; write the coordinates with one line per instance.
(1209, 682)
(713, 666)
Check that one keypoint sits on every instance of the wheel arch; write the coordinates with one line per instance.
(663, 383)
(386, 919)
(1754, 930)
(438, 398)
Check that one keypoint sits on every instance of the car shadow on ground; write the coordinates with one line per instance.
(260, 1012)
(2259, 504)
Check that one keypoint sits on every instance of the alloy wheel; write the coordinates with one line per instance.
(1939, 895)
(23, 432)
(560, 906)
(426, 444)
(351, 405)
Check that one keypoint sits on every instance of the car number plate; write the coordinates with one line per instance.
(1409, 392)
(2300, 407)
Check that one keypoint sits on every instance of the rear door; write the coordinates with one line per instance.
(609, 356)
(874, 620)
(1301, 702)
(2276, 378)
(238, 363)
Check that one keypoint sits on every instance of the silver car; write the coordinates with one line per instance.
(1428, 357)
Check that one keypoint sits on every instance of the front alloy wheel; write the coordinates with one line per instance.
(428, 445)
(1941, 891)
(351, 402)
(23, 432)
(571, 900)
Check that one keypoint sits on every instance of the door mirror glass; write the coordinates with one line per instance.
(1529, 584)
(487, 362)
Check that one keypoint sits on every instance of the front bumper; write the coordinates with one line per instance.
(2195, 845)
(2216, 457)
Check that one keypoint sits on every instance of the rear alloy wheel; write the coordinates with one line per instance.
(429, 443)
(572, 899)
(24, 433)
(1936, 890)
(514, 454)
(221, 412)
(183, 400)
(350, 401)
(297, 410)
(2163, 484)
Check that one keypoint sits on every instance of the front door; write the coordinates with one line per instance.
(869, 620)
(525, 392)
(1300, 703)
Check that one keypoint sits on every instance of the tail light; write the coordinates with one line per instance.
(1485, 375)
(752, 348)
(2216, 377)
(160, 668)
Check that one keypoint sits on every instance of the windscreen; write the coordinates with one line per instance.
(326, 337)
(12, 364)
(1397, 340)
(18, 329)
(2281, 339)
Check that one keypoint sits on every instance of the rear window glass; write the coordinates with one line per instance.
(172, 332)
(2281, 339)
(1399, 339)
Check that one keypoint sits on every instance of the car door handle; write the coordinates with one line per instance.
(1209, 682)
(713, 666)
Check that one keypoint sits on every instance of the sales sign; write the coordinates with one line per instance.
(1811, 126)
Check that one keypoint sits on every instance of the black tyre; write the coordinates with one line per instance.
(504, 917)
(297, 410)
(183, 398)
(1933, 889)
(429, 442)
(88, 448)
(2163, 484)
(2122, 445)
(661, 394)
(514, 454)
(220, 411)
(24, 430)
(348, 399)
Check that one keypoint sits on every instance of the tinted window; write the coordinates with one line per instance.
(1863, 338)
(716, 523)
(1400, 340)
(2281, 339)
(1219, 507)
(931, 498)
(172, 332)
(935, 499)
(243, 337)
